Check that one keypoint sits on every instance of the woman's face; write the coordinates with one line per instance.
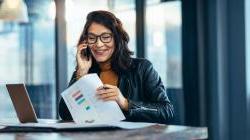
(101, 42)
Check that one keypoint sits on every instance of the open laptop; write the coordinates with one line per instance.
(23, 106)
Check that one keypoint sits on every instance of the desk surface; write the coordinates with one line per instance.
(157, 132)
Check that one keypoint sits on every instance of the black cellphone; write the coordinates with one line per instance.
(86, 52)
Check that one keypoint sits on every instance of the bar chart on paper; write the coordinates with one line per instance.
(83, 105)
(81, 100)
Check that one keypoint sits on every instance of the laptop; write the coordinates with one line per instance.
(23, 106)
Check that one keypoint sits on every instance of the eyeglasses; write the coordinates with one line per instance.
(104, 37)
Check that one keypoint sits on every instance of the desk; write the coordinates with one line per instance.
(157, 132)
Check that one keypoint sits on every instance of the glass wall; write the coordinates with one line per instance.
(163, 49)
(125, 11)
(163, 40)
(247, 20)
(76, 13)
(28, 56)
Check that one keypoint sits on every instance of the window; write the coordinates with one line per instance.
(163, 40)
(27, 56)
(163, 49)
(247, 20)
(125, 11)
(128, 19)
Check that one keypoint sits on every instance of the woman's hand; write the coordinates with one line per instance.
(109, 92)
(83, 62)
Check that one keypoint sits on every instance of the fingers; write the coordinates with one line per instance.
(104, 91)
(109, 86)
(107, 95)
(107, 92)
(110, 98)
(82, 46)
(82, 53)
(106, 86)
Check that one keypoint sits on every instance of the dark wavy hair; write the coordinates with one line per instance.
(121, 57)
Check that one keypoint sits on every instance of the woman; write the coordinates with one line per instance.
(132, 83)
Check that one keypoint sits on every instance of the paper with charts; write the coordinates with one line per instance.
(83, 105)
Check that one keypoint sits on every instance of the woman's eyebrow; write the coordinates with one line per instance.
(99, 34)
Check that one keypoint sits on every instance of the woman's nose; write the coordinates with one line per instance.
(99, 43)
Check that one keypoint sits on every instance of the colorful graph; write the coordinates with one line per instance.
(81, 100)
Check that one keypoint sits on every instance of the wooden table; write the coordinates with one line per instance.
(157, 132)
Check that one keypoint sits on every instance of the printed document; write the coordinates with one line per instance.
(84, 106)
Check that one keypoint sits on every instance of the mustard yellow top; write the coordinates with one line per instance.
(107, 75)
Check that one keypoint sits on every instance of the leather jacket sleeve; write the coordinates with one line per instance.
(158, 107)
(63, 109)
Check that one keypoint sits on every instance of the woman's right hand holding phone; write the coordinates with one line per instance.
(84, 61)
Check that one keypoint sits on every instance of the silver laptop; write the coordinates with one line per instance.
(23, 106)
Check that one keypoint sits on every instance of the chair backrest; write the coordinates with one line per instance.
(177, 99)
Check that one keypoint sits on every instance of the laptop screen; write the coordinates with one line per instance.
(22, 104)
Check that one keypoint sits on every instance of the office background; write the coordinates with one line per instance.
(28, 50)
(200, 49)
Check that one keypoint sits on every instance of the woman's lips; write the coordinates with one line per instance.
(100, 52)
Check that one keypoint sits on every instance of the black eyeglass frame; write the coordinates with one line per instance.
(99, 36)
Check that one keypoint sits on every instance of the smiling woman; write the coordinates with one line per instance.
(103, 47)
(133, 83)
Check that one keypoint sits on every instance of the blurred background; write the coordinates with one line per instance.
(200, 49)
(28, 48)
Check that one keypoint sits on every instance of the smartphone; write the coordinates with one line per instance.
(86, 52)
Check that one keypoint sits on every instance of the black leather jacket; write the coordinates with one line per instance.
(146, 94)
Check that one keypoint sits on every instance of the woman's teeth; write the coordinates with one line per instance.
(99, 51)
